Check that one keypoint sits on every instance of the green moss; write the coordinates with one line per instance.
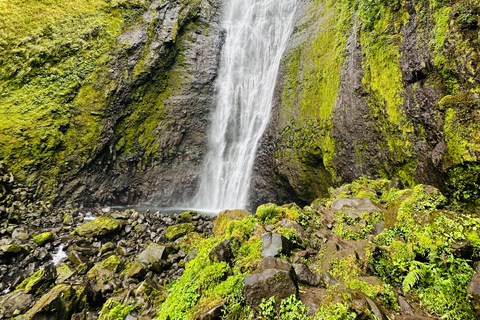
(42, 238)
(97, 227)
(53, 54)
(36, 283)
(114, 310)
(179, 230)
(112, 263)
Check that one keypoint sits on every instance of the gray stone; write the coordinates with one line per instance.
(473, 290)
(275, 279)
(154, 257)
(16, 300)
(306, 276)
(222, 252)
(274, 244)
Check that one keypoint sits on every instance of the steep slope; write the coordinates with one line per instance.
(376, 88)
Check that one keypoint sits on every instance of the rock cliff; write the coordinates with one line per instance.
(375, 89)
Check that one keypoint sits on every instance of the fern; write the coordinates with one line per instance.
(418, 271)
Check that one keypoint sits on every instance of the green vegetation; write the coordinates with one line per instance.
(52, 82)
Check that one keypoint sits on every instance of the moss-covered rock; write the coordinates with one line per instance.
(179, 230)
(225, 217)
(112, 263)
(43, 238)
(98, 227)
(58, 303)
(39, 281)
(11, 248)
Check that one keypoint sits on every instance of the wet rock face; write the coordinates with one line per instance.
(164, 71)
(473, 290)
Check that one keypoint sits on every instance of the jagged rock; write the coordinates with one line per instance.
(405, 307)
(59, 303)
(43, 238)
(473, 290)
(98, 227)
(40, 280)
(154, 256)
(274, 244)
(16, 301)
(306, 276)
(109, 246)
(302, 235)
(225, 216)
(355, 207)
(222, 252)
(276, 278)
(179, 230)
(379, 315)
(137, 271)
(63, 274)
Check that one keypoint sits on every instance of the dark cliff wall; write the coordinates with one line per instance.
(108, 103)
(378, 89)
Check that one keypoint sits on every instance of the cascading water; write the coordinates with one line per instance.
(257, 35)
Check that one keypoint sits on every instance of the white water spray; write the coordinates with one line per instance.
(257, 35)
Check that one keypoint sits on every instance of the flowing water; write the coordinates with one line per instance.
(257, 35)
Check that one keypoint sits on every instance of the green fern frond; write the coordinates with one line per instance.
(418, 270)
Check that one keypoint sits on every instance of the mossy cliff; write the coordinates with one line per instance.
(376, 88)
(95, 93)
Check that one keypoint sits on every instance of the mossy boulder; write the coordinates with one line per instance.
(154, 256)
(10, 248)
(43, 238)
(112, 263)
(98, 227)
(186, 216)
(39, 281)
(59, 303)
(225, 216)
(179, 230)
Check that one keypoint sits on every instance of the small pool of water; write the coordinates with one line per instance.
(166, 211)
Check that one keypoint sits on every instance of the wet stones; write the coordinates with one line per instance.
(154, 256)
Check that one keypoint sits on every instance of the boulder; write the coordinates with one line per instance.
(11, 248)
(186, 216)
(473, 290)
(98, 227)
(225, 216)
(16, 301)
(59, 303)
(274, 244)
(222, 252)
(137, 271)
(154, 256)
(276, 278)
(305, 276)
(179, 230)
(43, 238)
(355, 207)
(40, 280)
(302, 235)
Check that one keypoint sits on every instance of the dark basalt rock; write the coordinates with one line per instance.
(306, 276)
(274, 244)
(223, 252)
(275, 277)
(473, 290)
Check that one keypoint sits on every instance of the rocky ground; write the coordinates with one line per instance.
(369, 251)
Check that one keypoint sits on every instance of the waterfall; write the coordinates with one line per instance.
(257, 33)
